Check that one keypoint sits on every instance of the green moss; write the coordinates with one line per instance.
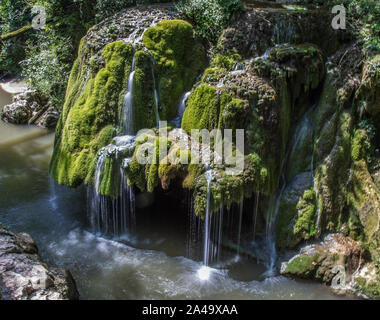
(297, 219)
(212, 74)
(333, 172)
(179, 59)
(304, 266)
(15, 33)
(226, 61)
(203, 109)
(369, 288)
(363, 200)
(358, 148)
(305, 226)
(90, 115)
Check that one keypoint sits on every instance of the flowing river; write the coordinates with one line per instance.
(153, 268)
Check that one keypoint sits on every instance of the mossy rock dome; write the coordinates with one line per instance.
(94, 102)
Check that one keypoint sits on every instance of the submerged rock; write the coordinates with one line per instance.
(24, 276)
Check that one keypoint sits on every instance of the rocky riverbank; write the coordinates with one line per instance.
(23, 274)
(28, 106)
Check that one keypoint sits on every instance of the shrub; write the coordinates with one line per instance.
(46, 68)
(209, 16)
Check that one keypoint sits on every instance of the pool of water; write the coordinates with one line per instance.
(153, 267)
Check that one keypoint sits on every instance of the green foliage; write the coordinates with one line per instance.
(209, 16)
(13, 17)
(46, 68)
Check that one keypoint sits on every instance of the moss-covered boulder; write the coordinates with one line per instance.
(261, 96)
(179, 58)
(167, 57)
(326, 260)
(90, 114)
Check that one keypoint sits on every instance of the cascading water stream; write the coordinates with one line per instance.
(283, 32)
(128, 102)
(156, 97)
(127, 204)
(206, 241)
(53, 194)
(109, 215)
(255, 214)
(241, 207)
(181, 109)
(273, 209)
(275, 201)
(318, 224)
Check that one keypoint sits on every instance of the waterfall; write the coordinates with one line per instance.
(127, 205)
(283, 32)
(181, 109)
(206, 240)
(272, 213)
(87, 76)
(156, 97)
(241, 207)
(194, 230)
(109, 215)
(314, 185)
(128, 102)
(53, 194)
(255, 214)
(274, 205)
(197, 236)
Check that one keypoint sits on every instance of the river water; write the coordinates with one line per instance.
(155, 268)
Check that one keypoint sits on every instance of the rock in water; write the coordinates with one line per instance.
(325, 261)
(30, 107)
(24, 276)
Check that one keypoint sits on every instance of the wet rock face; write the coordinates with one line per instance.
(369, 91)
(30, 107)
(261, 28)
(128, 25)
(24, 276)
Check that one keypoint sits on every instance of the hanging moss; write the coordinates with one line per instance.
(179, 58)
(89, 119)
(358, 148)
(203, 109)
(305, 226)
